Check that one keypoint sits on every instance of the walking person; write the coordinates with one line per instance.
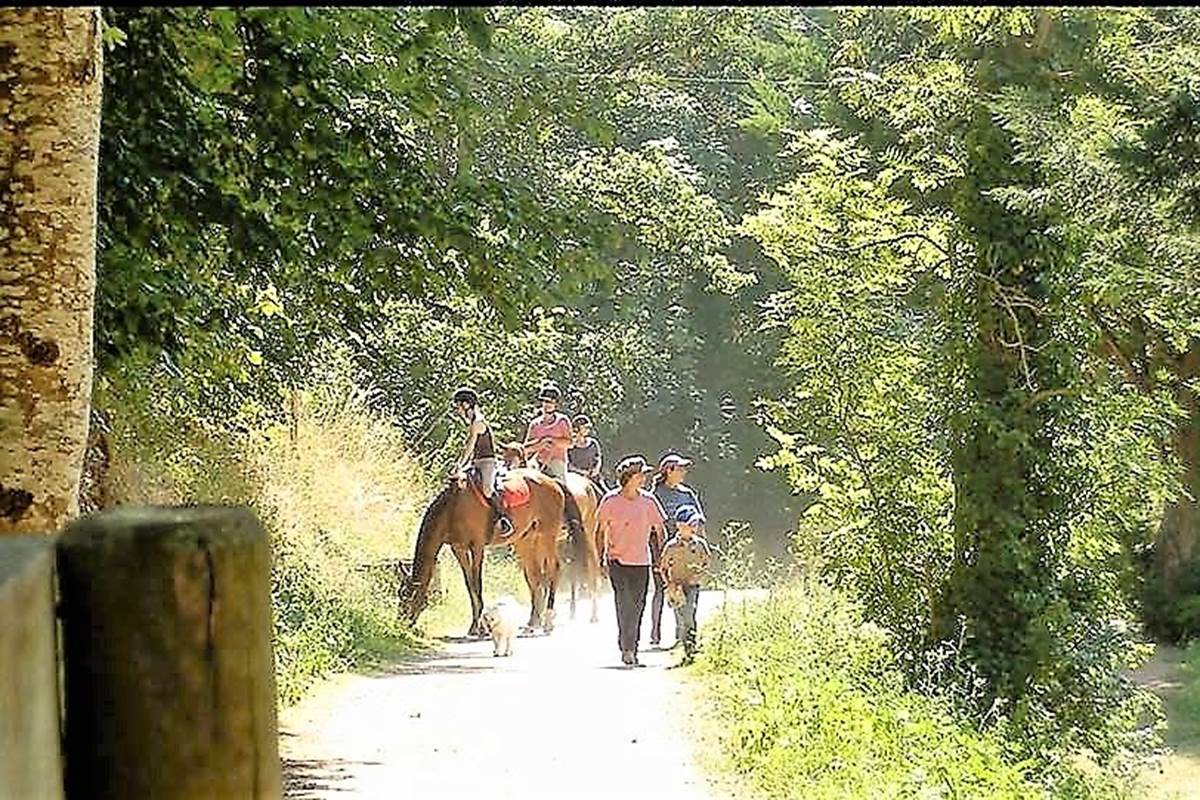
(630, 518)
(685, 561)
(549, 435)
(672, 494)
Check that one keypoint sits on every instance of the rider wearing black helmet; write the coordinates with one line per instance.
(584, 455)
(480, 452)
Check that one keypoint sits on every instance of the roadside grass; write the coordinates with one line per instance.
(341, 500)
(1187, 727)
(804, 700)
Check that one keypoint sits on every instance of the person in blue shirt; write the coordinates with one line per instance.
(672, 493)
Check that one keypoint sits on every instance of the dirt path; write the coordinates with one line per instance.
(1177, 777)
(560, 718)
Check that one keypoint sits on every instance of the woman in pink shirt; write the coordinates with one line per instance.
(628, 518)
(550, 435)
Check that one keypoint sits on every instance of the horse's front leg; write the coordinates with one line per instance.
(464, 562)
(476, 553)
(529, 568)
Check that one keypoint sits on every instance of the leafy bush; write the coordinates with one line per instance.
(812, 701)
(738, 565)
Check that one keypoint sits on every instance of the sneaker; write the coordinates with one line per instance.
(627, 658)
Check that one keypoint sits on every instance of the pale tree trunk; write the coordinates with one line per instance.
(50, 81)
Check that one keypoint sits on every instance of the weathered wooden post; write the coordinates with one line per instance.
(170, 689)
(30, 763)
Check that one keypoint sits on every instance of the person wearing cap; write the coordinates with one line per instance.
(672, 493)
(549, 435)
(630, 518)
(685, 559)
(584, 454)
(480, 453)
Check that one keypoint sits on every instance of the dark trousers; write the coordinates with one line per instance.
(656, 607)
(629, 585)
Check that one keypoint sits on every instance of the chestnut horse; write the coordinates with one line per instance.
(459, 518)
(582, 568)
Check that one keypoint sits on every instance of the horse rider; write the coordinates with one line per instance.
(549, 435)
(584, 454)
(480, 453)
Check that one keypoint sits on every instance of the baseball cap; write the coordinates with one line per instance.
(673, 460)
(630, 465)
(689, 515)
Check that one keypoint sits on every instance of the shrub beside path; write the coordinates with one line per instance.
(560, 717)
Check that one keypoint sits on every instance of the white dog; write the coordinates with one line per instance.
(503, 618)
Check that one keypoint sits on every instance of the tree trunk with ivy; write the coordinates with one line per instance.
(50, 83)
(1009, 521)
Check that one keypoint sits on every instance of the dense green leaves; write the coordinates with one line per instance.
(935, 269)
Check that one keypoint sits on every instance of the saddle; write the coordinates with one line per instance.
(513, 489)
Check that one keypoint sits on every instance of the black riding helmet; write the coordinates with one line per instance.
(465, 395)
(550, 393)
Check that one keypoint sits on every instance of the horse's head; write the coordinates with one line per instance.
(513, 454)
(411, 596)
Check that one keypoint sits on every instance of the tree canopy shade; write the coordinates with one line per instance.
(934, 270)
(324, 156)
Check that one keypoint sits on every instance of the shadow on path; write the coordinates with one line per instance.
(307, 779)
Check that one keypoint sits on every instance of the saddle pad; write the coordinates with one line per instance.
(514, 491)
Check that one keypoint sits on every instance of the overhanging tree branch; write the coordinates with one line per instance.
(1109, 338)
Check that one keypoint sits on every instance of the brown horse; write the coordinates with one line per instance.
(459, 518)
(582, 566)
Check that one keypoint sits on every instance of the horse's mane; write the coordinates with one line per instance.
(433, 512)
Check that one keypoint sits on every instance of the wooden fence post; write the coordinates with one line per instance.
(30, 762)
(170, 688)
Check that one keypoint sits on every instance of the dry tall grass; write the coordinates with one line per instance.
(342, 501)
